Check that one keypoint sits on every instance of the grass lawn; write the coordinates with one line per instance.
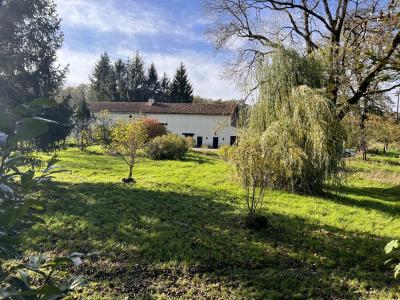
(180, 232)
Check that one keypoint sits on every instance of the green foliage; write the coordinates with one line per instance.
(30, 37)
(121, 80)
(299, 129)
(168, 146)
(181, 88)
(103, 80)
(226, 152)
(83, 118)
(102, 129)
(164, 95)
(56, 135)
(391, 247)
(152, 84)
(252, 165)
(136, 79)
(127, 138)
(19, 176)
(154, 128)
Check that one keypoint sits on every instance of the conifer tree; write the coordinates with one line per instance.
(29, 39)
(121, 80)
(164, 95)
(103, 81)
(152, 83)
(136, 79)
(181, 88)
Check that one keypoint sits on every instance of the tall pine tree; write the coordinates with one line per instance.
(152, 83)
(164, 94)
(29, 39)
(136, 79)
(121, 80)
(181, 88)
(103, 80)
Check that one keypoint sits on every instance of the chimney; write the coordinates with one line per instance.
(150, 101)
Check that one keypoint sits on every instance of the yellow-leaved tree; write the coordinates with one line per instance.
(127, 138)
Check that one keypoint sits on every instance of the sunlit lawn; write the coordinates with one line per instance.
(180, 232)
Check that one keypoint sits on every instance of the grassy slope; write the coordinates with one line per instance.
(179, 232)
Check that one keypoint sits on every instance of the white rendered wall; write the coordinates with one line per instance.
(206, 126)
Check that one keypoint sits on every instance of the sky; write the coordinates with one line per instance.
(165, 32)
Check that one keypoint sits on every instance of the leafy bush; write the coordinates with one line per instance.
(390, 248)
(253, 169)
(18, 213)
(226, 152)
(168, 146)
(102, 129)
(154, 128)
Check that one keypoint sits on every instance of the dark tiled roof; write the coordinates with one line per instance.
(165, 108)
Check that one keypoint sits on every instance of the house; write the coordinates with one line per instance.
(209, 124)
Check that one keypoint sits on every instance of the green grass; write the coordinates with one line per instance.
(180, 232)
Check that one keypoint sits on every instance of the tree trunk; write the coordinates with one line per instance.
(363, 142)
(130, 171)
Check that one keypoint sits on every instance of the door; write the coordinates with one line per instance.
(199, 141)
(215, 142)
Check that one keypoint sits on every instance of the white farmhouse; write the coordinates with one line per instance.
(209, 124)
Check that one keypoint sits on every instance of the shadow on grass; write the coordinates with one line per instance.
(386, 200)
(166, 242)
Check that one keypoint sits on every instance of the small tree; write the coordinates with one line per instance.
(127, 138)
(82, 119)
(102, 129)
(253, 170)
(383, 130)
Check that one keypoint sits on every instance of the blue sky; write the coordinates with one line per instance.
(165, 32)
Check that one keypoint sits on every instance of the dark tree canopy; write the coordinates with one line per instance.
(136, 79)
(152, 83)
(29, 39)
(103, 79)
(121, 80)
(164, 95)
(131, 81)
(181, 88)
(54, 138)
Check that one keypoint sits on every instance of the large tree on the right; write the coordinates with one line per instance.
(359, 40)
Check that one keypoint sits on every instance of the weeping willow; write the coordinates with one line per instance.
(297, 126)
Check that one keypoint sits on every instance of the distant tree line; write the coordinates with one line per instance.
(131, 81)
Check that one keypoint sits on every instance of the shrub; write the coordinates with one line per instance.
(154, 128)
(168, 146)
(226, 152)
(252, 165)
(102, 130)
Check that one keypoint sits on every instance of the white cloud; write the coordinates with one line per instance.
(204, 71)
(80, 64)
(111, 16)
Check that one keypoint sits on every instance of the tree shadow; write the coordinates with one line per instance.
(386, 200)
(155, 239)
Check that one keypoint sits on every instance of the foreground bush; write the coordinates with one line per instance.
(226, 152)
(168, 146)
